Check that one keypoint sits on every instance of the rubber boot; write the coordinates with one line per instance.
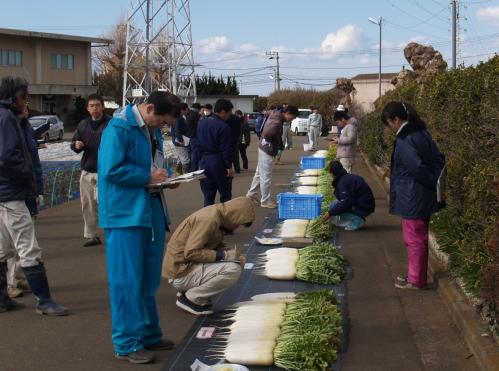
(37, 279)
(6, 303)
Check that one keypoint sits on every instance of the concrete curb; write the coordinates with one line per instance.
(464, 316)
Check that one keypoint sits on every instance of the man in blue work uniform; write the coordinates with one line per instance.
(215, 151)
(135, 222)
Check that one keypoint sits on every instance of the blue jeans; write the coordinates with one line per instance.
(134, 260)
(348, 220)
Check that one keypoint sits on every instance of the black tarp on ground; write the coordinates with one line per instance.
(248, 285)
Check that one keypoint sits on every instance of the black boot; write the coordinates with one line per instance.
(37, 279)
(6, 303)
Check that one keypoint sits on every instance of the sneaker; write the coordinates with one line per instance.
(406, 286)
(139, 357)
(189, 306)
(14, 292)
(402, 279)
(163, 344)
(269, 205)
(92, 242)
(51, 308)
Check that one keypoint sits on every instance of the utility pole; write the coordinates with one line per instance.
(454, 5)
(277, 77)
(379, 23)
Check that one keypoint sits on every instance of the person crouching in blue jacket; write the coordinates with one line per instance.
(416, 165)
(135, 222)
(354, 199)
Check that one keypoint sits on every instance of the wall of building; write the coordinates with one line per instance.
(367, 92)
(243, 103)
(37, 60)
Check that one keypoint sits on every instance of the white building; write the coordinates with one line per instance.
(240, 102)
(366, 88)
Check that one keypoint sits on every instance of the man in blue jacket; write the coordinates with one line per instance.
(18, 185)
(354, 199)
(135, 222)
(215, 151)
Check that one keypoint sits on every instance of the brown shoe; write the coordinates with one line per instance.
(139, 357)
(92, 242)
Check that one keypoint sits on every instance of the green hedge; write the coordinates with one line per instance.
(461, 108)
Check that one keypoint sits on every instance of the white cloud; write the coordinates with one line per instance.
(213, 44)
(248, 48)
(489, 15)
(346, 39)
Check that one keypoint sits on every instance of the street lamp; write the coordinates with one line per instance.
(379, 23)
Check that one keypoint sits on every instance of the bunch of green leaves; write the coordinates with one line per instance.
(321, 263)
(318, 230)
(310, 333)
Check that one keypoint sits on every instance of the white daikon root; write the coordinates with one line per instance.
(254, 333)
(309, 172)
(306, 190)
(320, 153)
(281, 264)
(307, 180)
(294, 228)
(286, 297)
(251, 353)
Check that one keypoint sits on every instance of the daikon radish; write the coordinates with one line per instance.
(307, 180)
(281, 272)
(306, 190)
(320, 153)
(258, 333)
(310, 172)
(282, 251)
(251, 353)
(286, 297)
(294, 228)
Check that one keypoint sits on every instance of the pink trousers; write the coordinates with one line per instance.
(415, 232)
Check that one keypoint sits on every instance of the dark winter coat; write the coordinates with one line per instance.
(235, 124)
(179, 130)
(17, 174)
(91, 137)
(213, 137)
(416, 164)
(353, 194)
(245, 134)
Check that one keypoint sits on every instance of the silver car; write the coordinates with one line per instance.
(56, 128)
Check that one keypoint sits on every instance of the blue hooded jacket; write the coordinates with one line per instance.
(124, 170)
(416, 164)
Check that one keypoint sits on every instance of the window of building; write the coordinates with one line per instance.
(11, 58)
(62, 61)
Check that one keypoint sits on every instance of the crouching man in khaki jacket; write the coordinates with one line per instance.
(197, 262)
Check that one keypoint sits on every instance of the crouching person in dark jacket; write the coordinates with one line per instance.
(17, 185)
(354, 199)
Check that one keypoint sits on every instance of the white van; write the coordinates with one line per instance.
(300, 124)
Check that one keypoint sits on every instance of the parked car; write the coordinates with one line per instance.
(56, 126)
(300, 124)
(251, 119)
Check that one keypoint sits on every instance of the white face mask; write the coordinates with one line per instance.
(207, 113)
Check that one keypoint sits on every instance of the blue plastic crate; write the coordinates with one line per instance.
(296, 206)
(310, 162)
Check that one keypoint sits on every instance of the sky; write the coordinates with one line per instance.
(317, 40)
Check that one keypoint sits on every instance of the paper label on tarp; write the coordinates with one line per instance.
(205, 333)
(249, 265)
(200, 366)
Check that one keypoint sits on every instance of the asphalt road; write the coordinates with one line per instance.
(391, 330)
